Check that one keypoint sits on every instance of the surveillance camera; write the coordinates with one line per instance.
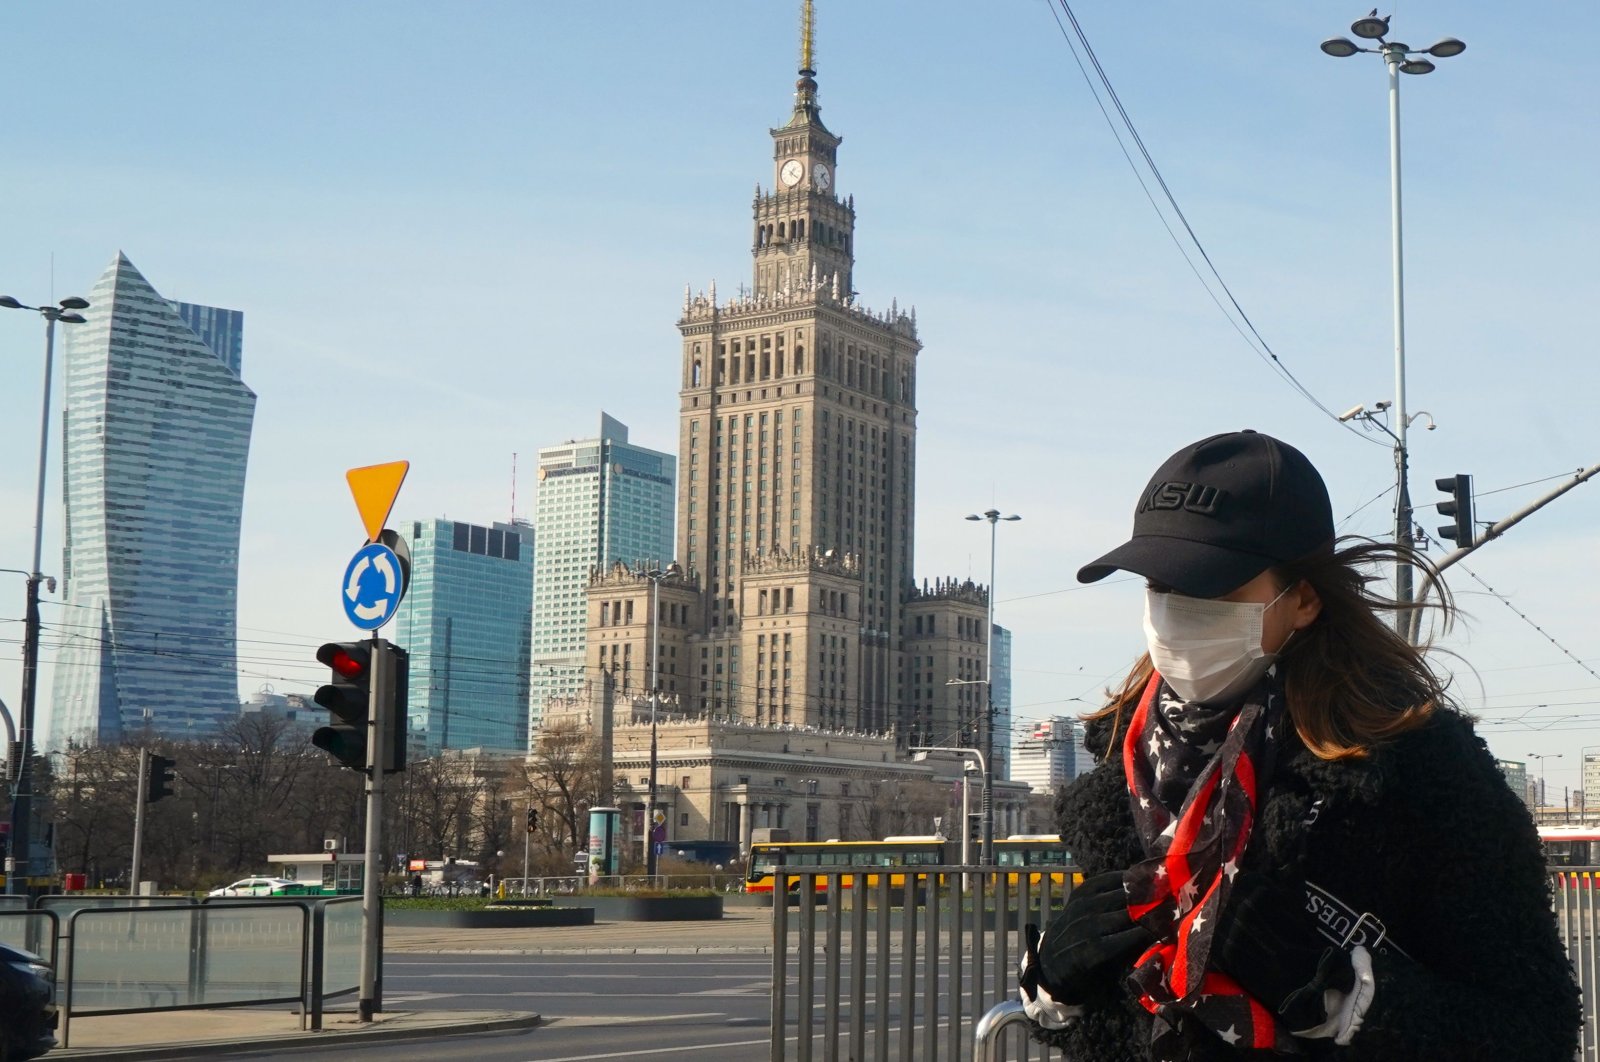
(1381, 406)
(1351, 414)
(1431, 426)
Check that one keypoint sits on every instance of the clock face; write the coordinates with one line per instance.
(792, 171)
(821, 177)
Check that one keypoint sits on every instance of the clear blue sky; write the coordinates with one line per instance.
(458, 231)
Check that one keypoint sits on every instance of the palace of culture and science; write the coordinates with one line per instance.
(798, 656)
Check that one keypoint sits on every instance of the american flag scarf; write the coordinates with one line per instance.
(1194, 776)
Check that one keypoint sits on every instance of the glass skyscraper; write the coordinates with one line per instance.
(1000, 684)
(221, 330)
(157, 429)
(466, 623)
(601, 501)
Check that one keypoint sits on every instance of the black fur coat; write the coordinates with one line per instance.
(1425, 834)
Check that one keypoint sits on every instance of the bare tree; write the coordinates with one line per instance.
(564, 779)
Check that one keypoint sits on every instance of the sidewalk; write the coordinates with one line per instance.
(202, 1033)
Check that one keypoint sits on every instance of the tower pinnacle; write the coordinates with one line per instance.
(806, 87)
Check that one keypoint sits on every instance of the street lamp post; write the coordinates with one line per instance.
(1400, 60)
(920, 752)
(655, 575)
(994, 518)
(1539, 801)
(22, 771)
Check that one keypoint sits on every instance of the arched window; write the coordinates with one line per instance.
(694, 380)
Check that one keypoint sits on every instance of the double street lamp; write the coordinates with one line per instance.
(655, 575)
(1539, 800)
(1400, 59)
(18, 863)
(994, 518)
(920, 754)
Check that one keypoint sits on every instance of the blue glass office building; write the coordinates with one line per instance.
(221, 330)
(157, 428)
(601, 501)
(466, 623)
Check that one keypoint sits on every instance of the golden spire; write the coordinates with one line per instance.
(808, 25)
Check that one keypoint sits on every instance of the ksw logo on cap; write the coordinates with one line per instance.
(1193, 497)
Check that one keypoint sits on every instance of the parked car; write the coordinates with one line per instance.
(256, 887)
(27, 989)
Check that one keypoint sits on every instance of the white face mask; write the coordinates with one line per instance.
(1208, 651)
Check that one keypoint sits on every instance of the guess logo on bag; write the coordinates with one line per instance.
(1342, 925)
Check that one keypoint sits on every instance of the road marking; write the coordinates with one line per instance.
(638, 1053)
(562, 977)
(581, 1020)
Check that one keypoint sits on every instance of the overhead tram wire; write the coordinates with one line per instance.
(1254, 340)
(1506, 601)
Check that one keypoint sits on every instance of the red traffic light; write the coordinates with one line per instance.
(347, 659)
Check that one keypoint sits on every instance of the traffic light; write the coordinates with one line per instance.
(395, 719)
(161, 777)
(347, 699)
(1458, 505)
(533, 819)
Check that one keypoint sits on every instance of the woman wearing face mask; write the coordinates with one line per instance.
(1293, 844)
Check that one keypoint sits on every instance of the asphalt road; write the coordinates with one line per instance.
(706, 1007)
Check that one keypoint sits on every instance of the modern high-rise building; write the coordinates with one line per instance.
(157, 429)
(221, 330)
(1051, 754)
(466, 621)
(601, 501)
(1000, 690)
(1590, 780)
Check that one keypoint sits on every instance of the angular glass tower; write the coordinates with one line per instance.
(157, 429)
(601, 501)
(466, 623)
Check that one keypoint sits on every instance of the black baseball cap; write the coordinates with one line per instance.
(1220, 512)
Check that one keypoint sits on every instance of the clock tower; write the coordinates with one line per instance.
(803, 231)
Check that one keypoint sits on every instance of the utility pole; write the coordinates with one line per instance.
(19, 864)
(379, 708)
(138, 821)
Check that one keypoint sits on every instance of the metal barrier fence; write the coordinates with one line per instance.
(1577, 910)
(35, 931)
(911, 958)
(181, 956)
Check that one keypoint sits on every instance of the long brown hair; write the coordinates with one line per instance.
(1350, 681)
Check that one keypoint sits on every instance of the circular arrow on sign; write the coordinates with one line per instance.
(373, 586)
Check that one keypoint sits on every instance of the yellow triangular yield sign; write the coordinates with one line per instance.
(375, 488)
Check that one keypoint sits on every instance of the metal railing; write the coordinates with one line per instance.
(910, 958)
(35, 931)
(144, 957)
(1578, 919)
(1576, 900)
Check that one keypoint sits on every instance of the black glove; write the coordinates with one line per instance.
(1269, 943)
(1090, 943)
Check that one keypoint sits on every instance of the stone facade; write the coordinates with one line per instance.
(795, 612)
